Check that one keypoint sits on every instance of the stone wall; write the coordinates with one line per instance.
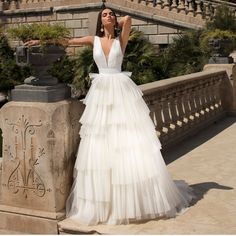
(81, 20)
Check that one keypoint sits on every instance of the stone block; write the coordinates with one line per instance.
(166, 30)
(159, 39)
(57, 22)
(138, 22)
(64, 16)
(81, 32)
(74, 24)
(91, 22)
(80, 15)
(18, 19)
(49, 17)
(33, 18)
(40, 142)
(148, 29)
(85, 23)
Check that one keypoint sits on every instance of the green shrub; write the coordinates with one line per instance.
(10, 73)
(43, 32)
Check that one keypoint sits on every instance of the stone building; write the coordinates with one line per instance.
(160, 20)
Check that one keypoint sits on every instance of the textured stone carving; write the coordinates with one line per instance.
(24, 177)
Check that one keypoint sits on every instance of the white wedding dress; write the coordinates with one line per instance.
(120, 175)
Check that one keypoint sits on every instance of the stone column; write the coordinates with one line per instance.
(228, 87)
(40, 142)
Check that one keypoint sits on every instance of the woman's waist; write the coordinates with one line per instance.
(109, 71)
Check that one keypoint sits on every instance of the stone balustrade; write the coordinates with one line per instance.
(180, 106)
(204, 9)
(198, 8)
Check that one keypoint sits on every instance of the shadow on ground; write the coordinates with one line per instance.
(201, 189)
(178, 150)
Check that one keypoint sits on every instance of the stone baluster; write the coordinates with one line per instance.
(13, 4)
(166, 4)
(192, 106)
(173, 112)
(206, 101)
(144, 2)
(197, 100)
(187, 112)
(190, 9)
(174, 5)
(180, 111)
(181, 6)
(159, 118)
(211, 98)
(214, 9)
(207, 12)
(202, 102)
(6, 4)
(167, 119)
(158, 4)
(198, 12)
(216, 103)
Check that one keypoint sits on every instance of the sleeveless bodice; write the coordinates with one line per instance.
(115, 57)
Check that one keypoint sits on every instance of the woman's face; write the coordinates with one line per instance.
(108, 17)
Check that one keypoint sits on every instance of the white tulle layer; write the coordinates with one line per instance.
(120, 175)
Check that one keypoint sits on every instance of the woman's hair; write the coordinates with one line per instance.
(99, 33)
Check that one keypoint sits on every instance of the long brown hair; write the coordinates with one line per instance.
(99, 33)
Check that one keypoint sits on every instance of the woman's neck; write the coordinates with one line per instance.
(109, 33)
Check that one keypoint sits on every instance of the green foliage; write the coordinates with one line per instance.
(140, 58)
(43, 32)
(183, 56)
(218, 34)
(63, 69)
(224, 19)
(10, 73)
(191, 50)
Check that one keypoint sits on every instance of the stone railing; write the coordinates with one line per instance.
(199, 8)
(180, 106)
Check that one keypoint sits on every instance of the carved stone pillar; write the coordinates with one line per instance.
(40, 142)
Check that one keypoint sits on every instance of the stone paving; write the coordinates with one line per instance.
(207, 162)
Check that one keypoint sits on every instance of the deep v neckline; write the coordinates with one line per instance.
(108, 56)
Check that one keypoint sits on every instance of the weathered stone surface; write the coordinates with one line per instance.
(40, 142)
(166, 30)
(159, 39)
(32, 93)
(73, 24)
(64, 16)
(149, 29)
(229, 89)
(81, 32)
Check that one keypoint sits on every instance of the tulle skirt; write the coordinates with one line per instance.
(120, 175)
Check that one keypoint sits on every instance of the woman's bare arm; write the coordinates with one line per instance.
(125, 25)
(87, 40)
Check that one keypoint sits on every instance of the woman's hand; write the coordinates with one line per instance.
(32, 43)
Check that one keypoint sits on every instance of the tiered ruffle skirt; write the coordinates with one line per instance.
(120, 175)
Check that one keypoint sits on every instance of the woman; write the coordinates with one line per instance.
(120, 175)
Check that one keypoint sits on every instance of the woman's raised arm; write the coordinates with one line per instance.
(125, 25)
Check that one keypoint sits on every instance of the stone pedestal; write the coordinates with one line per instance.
(228, 88)
(40, 142)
